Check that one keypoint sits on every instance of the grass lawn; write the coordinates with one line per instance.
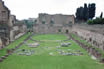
(47, 56)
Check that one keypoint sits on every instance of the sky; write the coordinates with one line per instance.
(24, 9)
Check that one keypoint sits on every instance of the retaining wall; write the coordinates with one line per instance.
(93, 34)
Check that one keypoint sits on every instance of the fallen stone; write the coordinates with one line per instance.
(33, 44)
(93, 57)
(1, 59)
(65, 44)
(21, 54)
(6, 55)
(57, 46)
(102, 60)
(28, 54)
(51, 53)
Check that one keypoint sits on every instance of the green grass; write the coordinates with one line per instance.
(13, 44)
(42, 60)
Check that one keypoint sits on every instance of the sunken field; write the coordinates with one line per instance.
(47, 51)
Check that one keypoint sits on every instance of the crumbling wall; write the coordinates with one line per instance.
(0, 43)
(92, 34)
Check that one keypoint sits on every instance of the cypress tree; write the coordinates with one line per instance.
(91, 10)
(85, 12)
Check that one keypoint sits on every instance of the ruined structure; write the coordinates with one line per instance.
(57, 23)
(4, 27)
(93, 34)
(17, 28)
(10, 27)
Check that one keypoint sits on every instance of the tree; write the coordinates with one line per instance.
(91, 10)
(101, 15)
(79, 13)
(85, 12)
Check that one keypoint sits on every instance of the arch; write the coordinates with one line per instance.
(67, 31)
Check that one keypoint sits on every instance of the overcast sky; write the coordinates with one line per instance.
(24, 9)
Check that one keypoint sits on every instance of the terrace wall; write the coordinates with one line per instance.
(94, 34)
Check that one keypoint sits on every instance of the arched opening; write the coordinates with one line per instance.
(90, 39)
(67, 31)
(59, 30)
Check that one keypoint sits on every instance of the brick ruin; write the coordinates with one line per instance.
(93, 34)
(4, 28)
(10, 27)
(57, 23)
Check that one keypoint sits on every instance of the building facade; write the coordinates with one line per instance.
(57, 23)
(10, 27)
(4, 27)
(17, 28)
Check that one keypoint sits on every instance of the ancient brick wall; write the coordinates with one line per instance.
(57, 23)
(91, 33)
(4, 27)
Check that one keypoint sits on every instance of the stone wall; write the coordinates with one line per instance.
(17, 31)
(56, 23)
(10, 27)
(0, 43)
(91, 33)
(4, 21)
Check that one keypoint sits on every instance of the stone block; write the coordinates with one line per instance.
(6, 55)
(1, 59)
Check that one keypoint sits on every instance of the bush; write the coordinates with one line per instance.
(90, 22)
(96, 21)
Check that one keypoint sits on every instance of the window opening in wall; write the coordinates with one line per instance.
(35, 21)
(51, 22)
(90, 39)
(70, 22)
(43, 22)
(67, 31)
(59, 30)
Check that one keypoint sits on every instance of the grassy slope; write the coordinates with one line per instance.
(42, 60)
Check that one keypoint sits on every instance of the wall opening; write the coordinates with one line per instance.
(43, 22)
(67, 31)
(59, 30)
(90, 39)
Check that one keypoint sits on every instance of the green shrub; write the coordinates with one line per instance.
(90, 22)
(96, 21)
